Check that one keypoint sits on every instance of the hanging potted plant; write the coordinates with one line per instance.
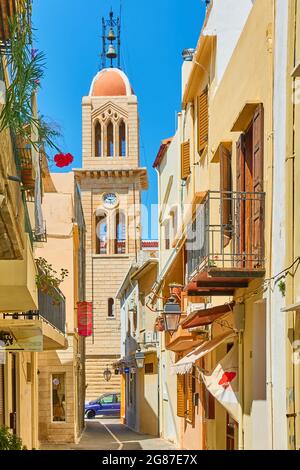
(48, 281)
(159, 323)
(19, 114)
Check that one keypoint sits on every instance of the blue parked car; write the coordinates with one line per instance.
(108, 404)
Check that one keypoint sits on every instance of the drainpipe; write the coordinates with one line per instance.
(241, 390)
(290, 230)
(270, 150)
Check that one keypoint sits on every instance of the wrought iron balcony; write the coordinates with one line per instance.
(225, 242)
(53, 311)
(37, 330)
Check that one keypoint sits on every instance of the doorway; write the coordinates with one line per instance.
(13, 414)
(2, 410)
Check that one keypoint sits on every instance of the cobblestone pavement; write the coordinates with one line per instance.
(110, 434)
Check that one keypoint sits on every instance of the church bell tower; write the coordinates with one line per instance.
(111, 181)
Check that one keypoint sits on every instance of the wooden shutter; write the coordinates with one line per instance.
(180, 396)
(240, 204)
(226, 189)
(258, 185)
(191, 408)
(202, 116)
(185, 160)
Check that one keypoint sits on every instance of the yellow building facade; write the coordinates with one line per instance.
(61, 373)
(223, 250)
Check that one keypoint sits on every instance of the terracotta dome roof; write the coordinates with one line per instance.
(110, 82)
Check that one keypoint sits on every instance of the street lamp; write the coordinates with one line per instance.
(139, 359)
(172, 314)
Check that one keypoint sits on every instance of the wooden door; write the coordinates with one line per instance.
(248, 198)
(2, 413)
(240, 202)
(226, 196)
(13, 414)
(258, 186)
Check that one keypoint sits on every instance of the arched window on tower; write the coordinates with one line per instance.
(98, 140)
(120, 236)
(110, 139)
(122, 139)
(111, 308)
(101, 233)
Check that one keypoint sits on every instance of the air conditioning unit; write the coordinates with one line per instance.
(191, 308)
(150, 337)
(201, 330)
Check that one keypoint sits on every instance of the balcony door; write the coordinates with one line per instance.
(249, 183)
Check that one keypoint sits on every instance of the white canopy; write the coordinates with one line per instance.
(185, 364)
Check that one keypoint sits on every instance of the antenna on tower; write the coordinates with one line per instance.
(111, 35)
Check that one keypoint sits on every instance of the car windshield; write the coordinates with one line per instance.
(106, 399)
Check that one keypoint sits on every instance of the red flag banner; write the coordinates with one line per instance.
(222, 383)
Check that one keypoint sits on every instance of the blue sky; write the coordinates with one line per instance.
(153, 36)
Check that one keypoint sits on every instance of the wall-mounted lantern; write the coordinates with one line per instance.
(107, 374)
(139, 359)
(172, 314)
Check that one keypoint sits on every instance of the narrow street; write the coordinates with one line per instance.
(110, 434)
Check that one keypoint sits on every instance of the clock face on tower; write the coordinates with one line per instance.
(110, 200)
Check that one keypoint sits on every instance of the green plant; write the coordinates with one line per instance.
(9, 441)
(48, 281)
(26, 69)
(211, 263)
(282, 287)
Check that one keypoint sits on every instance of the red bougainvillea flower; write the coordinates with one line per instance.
(226, 378)
(62, 160)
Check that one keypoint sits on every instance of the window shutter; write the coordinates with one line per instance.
(240, 187)
(191, 409)
(226, 188)
(258, 184)
(180, 396)
(202, 107)
(185, 160)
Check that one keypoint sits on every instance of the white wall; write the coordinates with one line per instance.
(226, 21)
(276, 319)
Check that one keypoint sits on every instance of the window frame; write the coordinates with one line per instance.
(54, 375)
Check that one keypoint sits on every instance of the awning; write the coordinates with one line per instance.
(185, 364)
(206, 316)
(291, 308)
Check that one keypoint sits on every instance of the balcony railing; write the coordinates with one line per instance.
(120, 247)
(227, 233)
(52, 311)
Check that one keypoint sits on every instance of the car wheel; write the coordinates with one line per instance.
(90, 414)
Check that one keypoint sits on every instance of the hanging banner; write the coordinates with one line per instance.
(222, 383)
(85, 318)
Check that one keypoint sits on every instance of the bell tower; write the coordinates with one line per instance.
(111, 181)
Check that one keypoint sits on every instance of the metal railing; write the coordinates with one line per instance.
(120, 247)
(50, 309)
(227, 232)
(53, 311)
